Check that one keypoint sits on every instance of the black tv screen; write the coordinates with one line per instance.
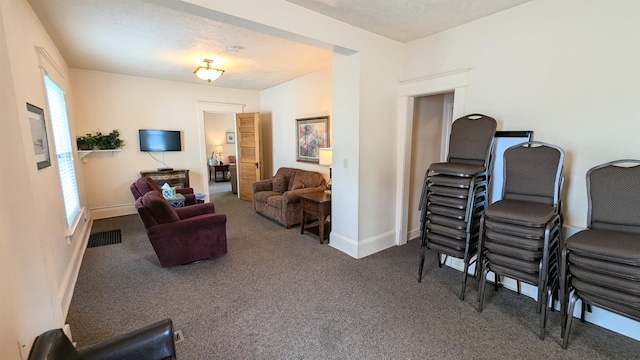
(160, 140)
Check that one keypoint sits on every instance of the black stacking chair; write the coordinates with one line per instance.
(520, 234)
(455, 193)
(602, 263)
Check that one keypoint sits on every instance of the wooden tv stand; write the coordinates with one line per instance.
(178, 178)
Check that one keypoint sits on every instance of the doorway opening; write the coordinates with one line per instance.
(420, 98)
(205, 110)
(432, 117)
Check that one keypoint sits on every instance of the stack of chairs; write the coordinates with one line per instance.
(520, 234)
(455, 193)
(601, 264)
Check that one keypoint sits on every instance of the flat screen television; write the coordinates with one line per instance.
(160, 140)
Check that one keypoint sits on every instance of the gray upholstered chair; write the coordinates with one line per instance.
(601, 264)
(520, 234)
(455, 193)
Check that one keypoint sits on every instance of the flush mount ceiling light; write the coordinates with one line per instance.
(208, 73)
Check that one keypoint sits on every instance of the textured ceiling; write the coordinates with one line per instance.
(141, 38)
(407, 20)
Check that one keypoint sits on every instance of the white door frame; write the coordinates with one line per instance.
(455, 82)
(210, 107)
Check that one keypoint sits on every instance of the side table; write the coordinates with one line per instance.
(319, 204)
(176, 201)
(215, 169)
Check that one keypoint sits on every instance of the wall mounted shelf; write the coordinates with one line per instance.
(83, 153)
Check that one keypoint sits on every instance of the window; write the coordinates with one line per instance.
(63, 150)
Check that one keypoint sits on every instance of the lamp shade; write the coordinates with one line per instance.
(208, 73)
(325, 156)
(219, 148)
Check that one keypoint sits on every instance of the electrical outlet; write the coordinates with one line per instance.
(177, 336)
(24, 350)
(345, 163)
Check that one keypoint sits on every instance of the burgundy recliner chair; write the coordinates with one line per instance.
(182, 235)
(145, 184)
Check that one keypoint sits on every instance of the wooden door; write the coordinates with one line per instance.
(249, 155)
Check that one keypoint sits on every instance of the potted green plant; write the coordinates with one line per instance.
(99, 141)
(111, 140)
(85, 142)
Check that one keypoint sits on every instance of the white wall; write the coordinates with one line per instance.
(306, 96)
(367, 68)
(106, 101)
(568, 70)
(41, 266)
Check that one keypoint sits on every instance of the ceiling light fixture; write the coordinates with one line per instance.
(208, 73)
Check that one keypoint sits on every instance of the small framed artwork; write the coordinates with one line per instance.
(231, 138)
(311, 135)
(39, 136)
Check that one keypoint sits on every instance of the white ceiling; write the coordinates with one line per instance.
(144, 38)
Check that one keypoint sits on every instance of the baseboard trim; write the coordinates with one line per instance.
(73, 269)
(376, 244)
(364, 248)
(346, 245)
(105, 212)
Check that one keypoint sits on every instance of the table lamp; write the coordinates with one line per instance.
(219, 150)
(324, 159)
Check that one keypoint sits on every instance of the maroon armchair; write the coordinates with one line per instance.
(145, 184)
(182, 235)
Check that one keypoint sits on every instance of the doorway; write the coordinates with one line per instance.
(429, 138)
(205, 109)
(454, 86)
(220, 134)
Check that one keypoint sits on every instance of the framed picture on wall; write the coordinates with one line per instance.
(231, 138)
(39, 136)
(311, 135)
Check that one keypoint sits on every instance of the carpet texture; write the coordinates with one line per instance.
(281, 295)
(104, 238)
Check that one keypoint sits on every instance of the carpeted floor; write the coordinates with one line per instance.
(281, 295)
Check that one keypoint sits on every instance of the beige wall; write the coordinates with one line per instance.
(568, 70)
(107, 101)
(41, 264)
(216, 127)
(307, 96)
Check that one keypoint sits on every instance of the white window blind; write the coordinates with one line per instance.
(63, 148)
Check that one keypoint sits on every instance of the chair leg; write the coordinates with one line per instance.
(483, 281)
(422, 255)
(464, 277)
(572, 304)
(563, 288)
(543, 313)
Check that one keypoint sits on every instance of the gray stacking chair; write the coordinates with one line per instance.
(455, 193)
(520, 234)
(601, 264)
